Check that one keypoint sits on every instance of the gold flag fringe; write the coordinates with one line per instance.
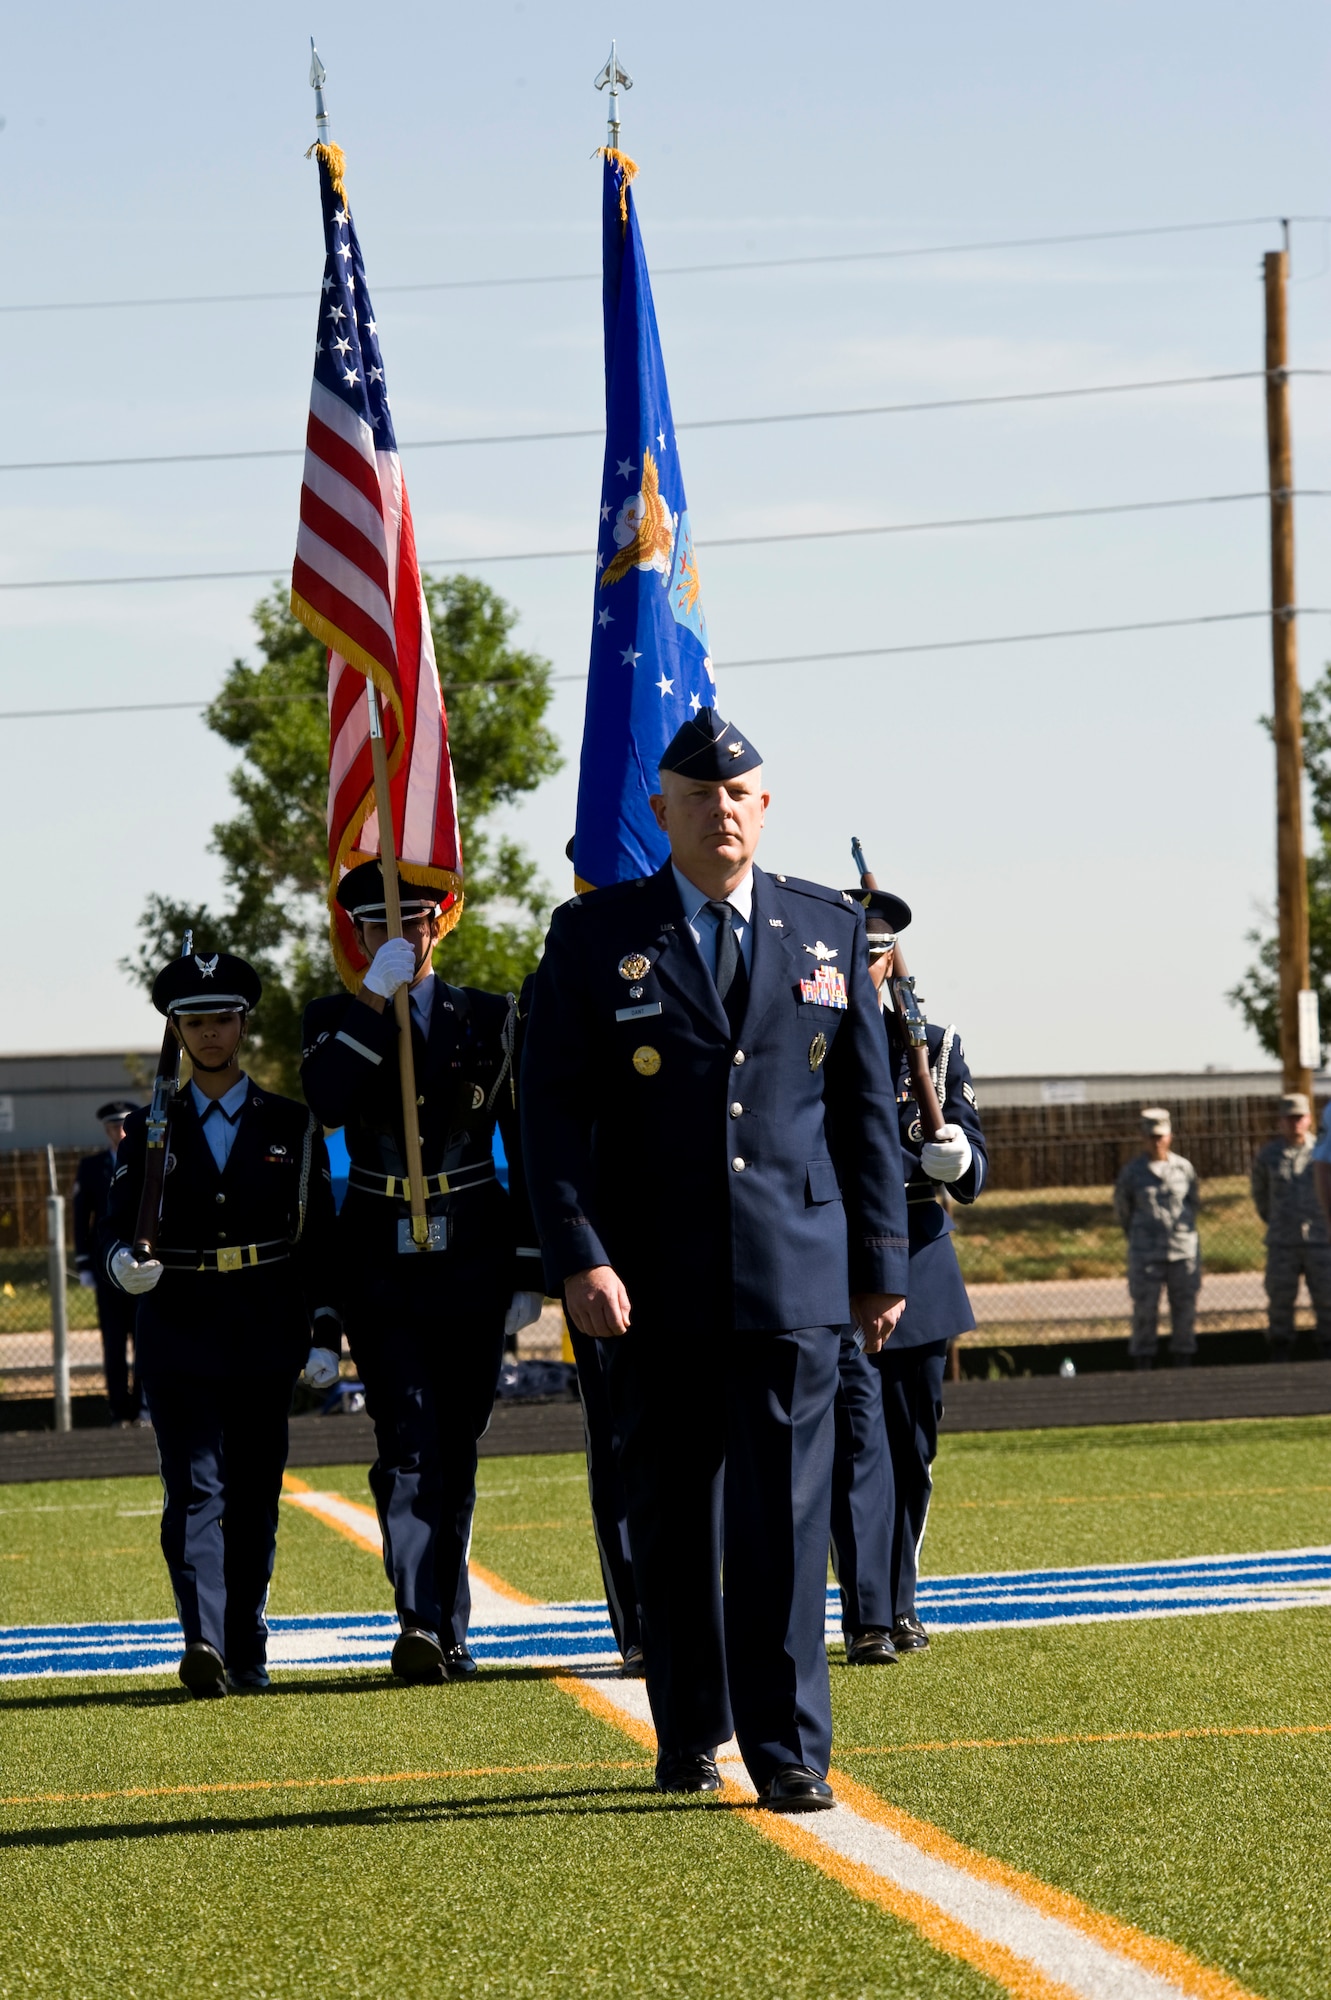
(336, 162)
(628, 172)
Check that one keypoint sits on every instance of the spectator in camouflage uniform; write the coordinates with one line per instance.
(1155, 1204)
(1285, 1192)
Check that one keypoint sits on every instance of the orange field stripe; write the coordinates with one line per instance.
(1196, 1733)
(497, 1584)
(946, 1933)
(589, 1696)
(312, 1784)
(1167, 1961)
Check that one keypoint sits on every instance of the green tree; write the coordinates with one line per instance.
(1257, 995)
(274, 851)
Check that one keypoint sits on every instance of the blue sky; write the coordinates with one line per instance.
(1085, 828)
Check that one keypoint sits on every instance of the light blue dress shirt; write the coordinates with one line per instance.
(704, 925)
(422, 1001)
(219, 1117)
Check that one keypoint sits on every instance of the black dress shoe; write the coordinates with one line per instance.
(459, 1665)
(871, 1648)
(634, 1667)
(418, 1658)
(909, 1636)
(678, 1772)
(248, 1680)
(203, 1671)
(795, 1788)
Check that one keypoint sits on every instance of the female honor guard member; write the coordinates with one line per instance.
(242, 1271)
(426, 1327)
(878, 1609)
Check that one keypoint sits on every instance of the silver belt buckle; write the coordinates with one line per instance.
(438, 1238)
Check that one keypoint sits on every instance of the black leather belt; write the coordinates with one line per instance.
(229, 1257)
(916, 1195)
(400, 1190)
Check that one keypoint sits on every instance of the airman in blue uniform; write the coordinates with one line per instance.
(426, 1328)
(878, 1606)
(115, 1309)
(712, 1151)
(240, 1292)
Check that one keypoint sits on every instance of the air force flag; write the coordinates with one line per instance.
(651, 665)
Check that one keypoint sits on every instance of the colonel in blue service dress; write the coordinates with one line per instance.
(427, 1327)
(243, 1279)
(876, 1551)
(743, 1177)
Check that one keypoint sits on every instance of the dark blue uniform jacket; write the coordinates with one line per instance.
(92, 1189)
(276, 1190)
(937, 1307)
(465, 1084)
(751, 1181)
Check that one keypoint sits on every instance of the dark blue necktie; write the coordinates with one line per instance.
(732, 981)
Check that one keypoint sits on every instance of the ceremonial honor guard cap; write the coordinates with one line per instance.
(206, 983)
(710, 748)
(361, 894)
(881, 910)
(118, 1108)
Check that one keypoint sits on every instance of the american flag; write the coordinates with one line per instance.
(356, 584)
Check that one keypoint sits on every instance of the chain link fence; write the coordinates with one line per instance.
(1042, 1255)
(1044, 1259)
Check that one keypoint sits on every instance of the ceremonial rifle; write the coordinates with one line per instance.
(909, 1019)
(154, 1164)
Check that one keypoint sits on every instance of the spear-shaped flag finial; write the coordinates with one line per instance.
(318, 78)
(613, 74)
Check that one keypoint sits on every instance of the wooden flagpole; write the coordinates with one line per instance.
(411, 1124)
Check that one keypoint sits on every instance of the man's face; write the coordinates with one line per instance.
(713, 827)
(114, 1129)
(211, 1040)
(880, 960)
(422, 934)
(1158, 1143)
(1295, 1125)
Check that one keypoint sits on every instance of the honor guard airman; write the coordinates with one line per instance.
(426, 1326)
(878, 1605)
(241, 1282)
(712, 1151)
(115, 1310)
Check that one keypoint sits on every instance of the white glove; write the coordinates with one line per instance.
(87, 1280)
(393, 965)
(322, 1368)
(133, 1277)
(947, 1157)
(524, 1310)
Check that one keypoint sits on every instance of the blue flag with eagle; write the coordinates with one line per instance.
(651, 666)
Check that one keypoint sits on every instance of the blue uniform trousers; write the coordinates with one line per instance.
(912, 1380)
(222, 1447)
(428, 1345)
(115, 1317)
(726, 1454)
(605, 1488)
(861, 1495)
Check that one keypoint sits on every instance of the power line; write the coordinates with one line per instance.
(714, 542)
(737, 666)
(690, 424)
(679, 270)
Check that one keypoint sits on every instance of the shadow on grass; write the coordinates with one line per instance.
(587, 1800)
(373, 1680)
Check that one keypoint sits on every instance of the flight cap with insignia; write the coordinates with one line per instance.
(116, 1112)
(361, 894)
(206, 983)
(709, 747)
(882, 912)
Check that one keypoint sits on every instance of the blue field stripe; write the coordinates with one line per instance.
(562, 1634)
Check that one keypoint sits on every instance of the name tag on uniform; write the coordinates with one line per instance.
(827, 988)
(638, 1013)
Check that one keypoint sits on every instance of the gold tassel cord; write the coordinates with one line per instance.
(628, 171)
(336, 162)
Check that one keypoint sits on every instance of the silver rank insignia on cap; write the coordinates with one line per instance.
(817, 1052)
(207, 966)
(634, 966)
(735, 749)
(820, 950)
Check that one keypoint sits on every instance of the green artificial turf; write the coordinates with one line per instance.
(503, 1880)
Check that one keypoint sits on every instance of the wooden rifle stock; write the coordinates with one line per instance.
(154, 1164)
(909, 1021)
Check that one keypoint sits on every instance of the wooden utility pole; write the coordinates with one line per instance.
(1300, 1052)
